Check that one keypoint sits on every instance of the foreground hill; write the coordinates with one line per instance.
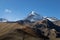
(12, 31)
(28, 31)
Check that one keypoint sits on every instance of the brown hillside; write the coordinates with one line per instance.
(16, 31)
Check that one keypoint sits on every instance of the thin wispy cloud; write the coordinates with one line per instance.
(8, 11)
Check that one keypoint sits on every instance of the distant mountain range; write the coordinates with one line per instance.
(3, 20)
(33, 17)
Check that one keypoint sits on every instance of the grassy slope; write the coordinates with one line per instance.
(7, 27)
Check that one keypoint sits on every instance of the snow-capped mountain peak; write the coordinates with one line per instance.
(50, 18)
(32, 13)
(3, 20)
(33, 16)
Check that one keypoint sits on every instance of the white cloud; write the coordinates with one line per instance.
(7, 10)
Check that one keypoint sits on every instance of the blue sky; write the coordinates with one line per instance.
(19, 9)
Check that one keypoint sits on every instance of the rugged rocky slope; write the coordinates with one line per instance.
(35, 31)
(34, 27)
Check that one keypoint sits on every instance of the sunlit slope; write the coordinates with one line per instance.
(8, 27)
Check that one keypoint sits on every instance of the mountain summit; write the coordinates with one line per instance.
(33, 16)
